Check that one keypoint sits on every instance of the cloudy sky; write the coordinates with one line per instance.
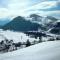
(12, 8)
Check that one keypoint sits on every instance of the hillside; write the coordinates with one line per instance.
(15, 36)
(43, 51)
(20, 24)
(56, 28)
(4, 21)
(31, 23)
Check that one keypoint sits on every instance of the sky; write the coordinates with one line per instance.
(12, 8)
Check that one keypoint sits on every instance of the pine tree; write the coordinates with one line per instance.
(28, 43)
(40, 39)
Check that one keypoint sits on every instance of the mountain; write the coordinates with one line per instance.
(21, 24)
(56, 28)
(36, 17)
(4, 21)
(49, 21)
(45, 21)
(42, 51)
(42, 20)
(52, 18)
(32, 23)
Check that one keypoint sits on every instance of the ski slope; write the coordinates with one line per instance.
(42, 51)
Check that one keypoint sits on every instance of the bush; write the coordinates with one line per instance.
(57, 38)
(40, 39)
(28, 43)
(51, 39)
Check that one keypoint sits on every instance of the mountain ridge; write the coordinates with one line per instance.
(20, 24)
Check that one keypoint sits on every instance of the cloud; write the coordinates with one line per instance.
(46, 13)
(45, 8)
(43, 5)
(12, 8)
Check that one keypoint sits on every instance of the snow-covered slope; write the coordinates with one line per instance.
(15, 36)
(43, 51)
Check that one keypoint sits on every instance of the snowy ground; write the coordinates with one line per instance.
(21, 37)
(15, 36)
(42, 51)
